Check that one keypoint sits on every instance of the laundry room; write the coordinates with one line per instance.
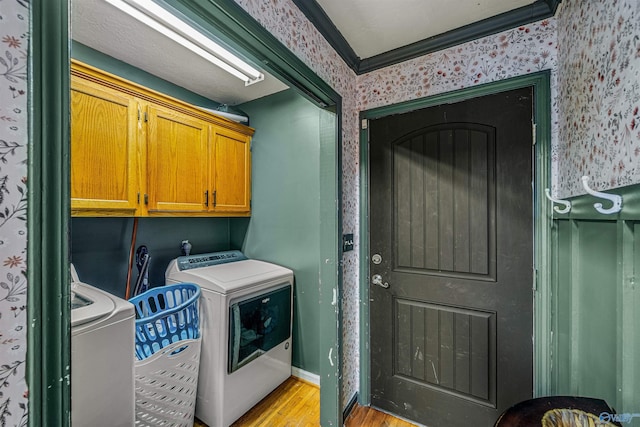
(125, 250)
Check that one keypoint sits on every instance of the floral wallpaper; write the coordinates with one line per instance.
(14, 39)
(599, 80)
(515, 52)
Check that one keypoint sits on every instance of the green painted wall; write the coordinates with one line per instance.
(284, 225)
(596, 303)
(100, 246)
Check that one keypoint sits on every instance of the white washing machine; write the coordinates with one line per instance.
(102, 355)
(245, 316)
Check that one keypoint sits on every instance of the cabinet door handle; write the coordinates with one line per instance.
(146, 199)
(206, 198)
(215, 198)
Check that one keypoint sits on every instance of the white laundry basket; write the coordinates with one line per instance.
(166, 385)
(168, 355)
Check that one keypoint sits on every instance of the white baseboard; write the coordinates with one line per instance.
(304, 375)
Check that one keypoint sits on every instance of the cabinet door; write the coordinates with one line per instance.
(176, 161)
(103, 150)
(230, 171)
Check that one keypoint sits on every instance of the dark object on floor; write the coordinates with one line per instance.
(558, 411)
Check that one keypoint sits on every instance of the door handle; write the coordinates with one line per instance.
(376, 279)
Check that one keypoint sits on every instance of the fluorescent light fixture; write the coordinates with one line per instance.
(161, 20)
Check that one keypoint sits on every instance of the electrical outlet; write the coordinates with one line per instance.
(347, 242)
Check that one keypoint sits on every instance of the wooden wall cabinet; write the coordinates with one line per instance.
(176, 161)
(229, 171)
(136, 152)
(104, 146)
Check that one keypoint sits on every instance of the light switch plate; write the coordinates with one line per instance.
(347, 242)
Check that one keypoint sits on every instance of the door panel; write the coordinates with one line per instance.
(447, 349)
(451, 217)
(444, 212)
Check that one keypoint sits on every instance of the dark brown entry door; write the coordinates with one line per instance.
(451, 235)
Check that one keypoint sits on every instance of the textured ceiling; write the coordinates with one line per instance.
(372, 27)
(101, 26)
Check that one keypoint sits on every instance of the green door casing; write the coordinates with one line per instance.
(451, 225)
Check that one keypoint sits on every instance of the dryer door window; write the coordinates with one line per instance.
(258, 324)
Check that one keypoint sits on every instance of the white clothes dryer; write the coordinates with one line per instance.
(102, 356)
(245, 318)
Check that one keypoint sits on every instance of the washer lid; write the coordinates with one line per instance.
(225, 278)
(90, 304)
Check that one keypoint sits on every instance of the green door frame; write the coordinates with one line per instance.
(541, 279)
(48, 358)
(48, 306)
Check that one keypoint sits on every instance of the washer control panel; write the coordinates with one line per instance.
(206, 260)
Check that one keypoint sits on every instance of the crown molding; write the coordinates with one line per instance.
(318, 17)
(536, 11)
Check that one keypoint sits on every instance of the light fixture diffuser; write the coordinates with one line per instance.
(163, 21)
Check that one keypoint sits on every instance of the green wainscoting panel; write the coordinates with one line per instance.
(630, 317)
(562, 308)
(596, 303)
(285, 212)
(594, 306)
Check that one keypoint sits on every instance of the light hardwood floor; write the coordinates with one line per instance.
(365, 416)
(296, 403)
